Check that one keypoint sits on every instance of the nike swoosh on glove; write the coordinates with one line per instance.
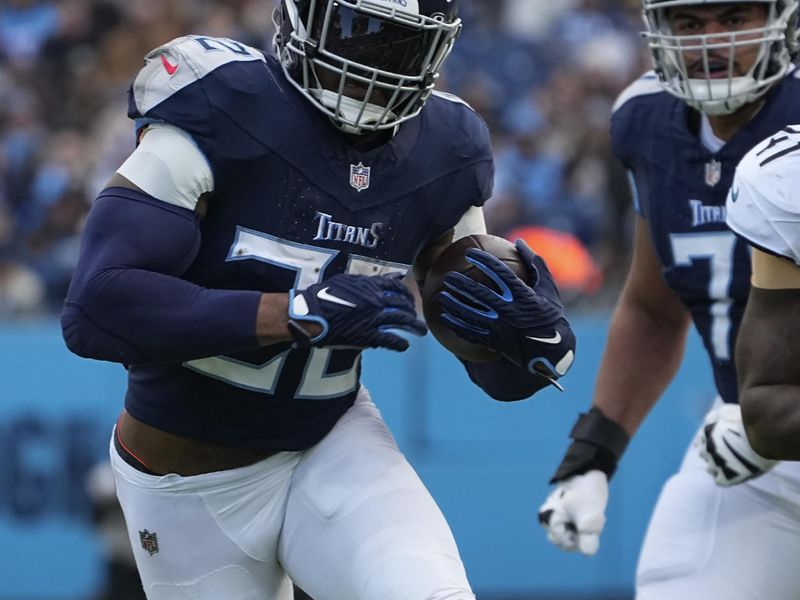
(356, 311)
(574, 514)
(724, 446)
(526, 324)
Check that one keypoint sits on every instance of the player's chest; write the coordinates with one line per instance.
(277, 232)
(701, 258)
(684, 197)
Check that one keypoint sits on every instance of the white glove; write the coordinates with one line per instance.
(575, 512)
(723, 445)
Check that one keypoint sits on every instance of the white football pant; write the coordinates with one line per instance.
(706, 542)
(348, 519)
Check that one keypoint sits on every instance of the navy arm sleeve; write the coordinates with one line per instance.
(127, 302)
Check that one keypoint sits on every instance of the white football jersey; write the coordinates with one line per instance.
(763, 204)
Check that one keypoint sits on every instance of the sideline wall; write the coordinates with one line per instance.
(487, 463)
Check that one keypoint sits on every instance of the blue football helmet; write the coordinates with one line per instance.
(776, 43)
(367, 64)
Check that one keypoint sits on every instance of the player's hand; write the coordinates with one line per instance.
(355, 310)
(574, 514)
(525, 324)
(723, 445)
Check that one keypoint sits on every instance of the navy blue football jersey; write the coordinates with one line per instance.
(680, 188)
(294, 203)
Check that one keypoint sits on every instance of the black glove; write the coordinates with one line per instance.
(525, 324)
(356, 311)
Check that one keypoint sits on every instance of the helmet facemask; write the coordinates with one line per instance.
(367, 64)
(689, 66)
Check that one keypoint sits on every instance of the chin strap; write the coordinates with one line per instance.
(349, 110)
(724, 96)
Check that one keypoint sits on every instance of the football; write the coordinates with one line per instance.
(453, 259)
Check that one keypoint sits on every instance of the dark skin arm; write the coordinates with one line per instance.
(646, 340)
(767, 359)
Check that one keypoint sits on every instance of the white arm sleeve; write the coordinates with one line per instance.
(763, 203)
(169, 166)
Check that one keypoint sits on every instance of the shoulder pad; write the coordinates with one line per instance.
(179, 63)
(644, 86)
(451, 122)
(452, 98)
(762, 203)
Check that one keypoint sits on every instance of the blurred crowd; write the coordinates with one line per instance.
(543, 74)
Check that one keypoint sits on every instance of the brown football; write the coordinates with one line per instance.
(453, 259)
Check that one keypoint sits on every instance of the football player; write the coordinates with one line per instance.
(763, 208)
(723, 81)
(240, 261)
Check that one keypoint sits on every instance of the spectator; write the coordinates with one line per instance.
(542, 79)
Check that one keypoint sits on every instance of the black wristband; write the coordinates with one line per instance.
(598, 444)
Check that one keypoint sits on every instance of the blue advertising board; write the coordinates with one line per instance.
(487, 463)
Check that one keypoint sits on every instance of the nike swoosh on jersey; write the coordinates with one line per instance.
(324, 294)
(556, 339)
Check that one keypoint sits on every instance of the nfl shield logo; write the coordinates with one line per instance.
(713, 172)
(359, 176)
(149, 541)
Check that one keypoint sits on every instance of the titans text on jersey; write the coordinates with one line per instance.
(351, 234)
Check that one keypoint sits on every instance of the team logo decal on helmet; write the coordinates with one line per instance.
(367, 64)
(698, 80)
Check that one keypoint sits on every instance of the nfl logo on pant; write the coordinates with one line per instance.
(149, 541)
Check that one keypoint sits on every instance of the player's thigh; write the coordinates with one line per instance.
(360, 524)
(207, 536)
(717, 543)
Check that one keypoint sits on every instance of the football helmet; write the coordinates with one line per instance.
(367, 64)
(776, 44)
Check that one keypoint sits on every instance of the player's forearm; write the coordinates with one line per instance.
(767, 354)
(642, 355)
(127, 302)
(133, 316)
(273, 316)
(772, 420)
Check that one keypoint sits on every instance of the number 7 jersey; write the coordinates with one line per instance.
(680, 187)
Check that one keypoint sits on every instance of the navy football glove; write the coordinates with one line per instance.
(356, 311)
(525, 324)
